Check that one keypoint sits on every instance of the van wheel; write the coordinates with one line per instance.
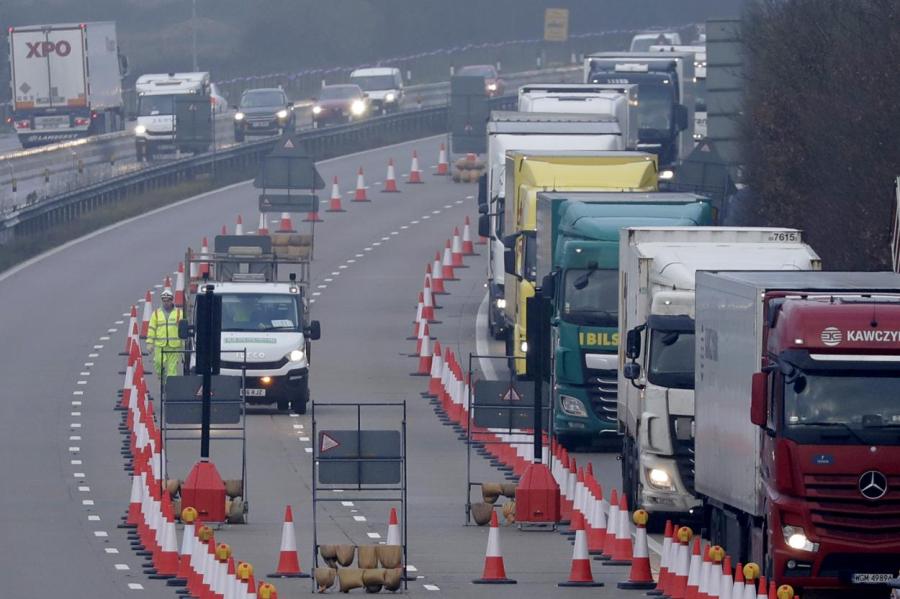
(283, 405)
(298, 404)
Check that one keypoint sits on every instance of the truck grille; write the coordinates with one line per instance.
(603, 389)
(839, 511)
(253, 365)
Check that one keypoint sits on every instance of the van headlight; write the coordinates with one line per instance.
(239, 116)
(358, 107)
(140, 130)
(317, 109)
(796, 538)
(390, 97)
(282, 114)
(572, 406)
(298, 355)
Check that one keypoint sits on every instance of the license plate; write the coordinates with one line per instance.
(254, 392)
(259, 125)
(870, 578)
(51, 122)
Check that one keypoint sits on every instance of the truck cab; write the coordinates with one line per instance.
(699, 84)
(157, 102)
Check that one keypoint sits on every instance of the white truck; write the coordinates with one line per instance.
(641, 42)
(620, 102)
(519, 131)
(658, 266)
(699, 52)
(66, 81)
(158, 96)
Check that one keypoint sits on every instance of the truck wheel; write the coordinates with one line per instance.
(298, 404)
(139, 153)
(283, 405)
(238, 136)
(630, 478)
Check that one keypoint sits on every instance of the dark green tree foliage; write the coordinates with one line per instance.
(823, 123)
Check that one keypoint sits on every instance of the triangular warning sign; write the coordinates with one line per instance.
(511, 395)
(199, 392)
(327, 443)
(704, 147)
(288, 145)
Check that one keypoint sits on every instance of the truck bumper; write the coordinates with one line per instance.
(592, 427)
(282, 387)
(653, 499)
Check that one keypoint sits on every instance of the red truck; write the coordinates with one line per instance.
(797, 438)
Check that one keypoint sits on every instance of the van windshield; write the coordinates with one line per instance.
(259, 312)
(163, 104)
(375, 82)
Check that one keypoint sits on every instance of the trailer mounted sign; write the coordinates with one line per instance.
(505, 404)
(359, 457)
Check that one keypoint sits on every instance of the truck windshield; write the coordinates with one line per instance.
(657, 93)
(700, 95)
(263, 99)
(671, 359)
(259, 312)
(854, 400)
(156, 105)
(374, 82)
(596, 303)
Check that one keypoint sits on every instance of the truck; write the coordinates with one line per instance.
(655, 365)
(797, 451)
(620, 102)
(527, 174)
(699, 52)
(66, 81)
(508, 131)
(641, 42)
(665, 88)
(266, 326)
(159, 97)
(576, 257)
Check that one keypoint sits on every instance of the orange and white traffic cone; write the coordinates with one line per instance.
(393, 532)
(443, 166)
(148, 312)
(726, 581)
(285, 225)
(415, 175)
(447, 272)
(665, 561)
(580, 574)
(437, 368)
(167, 558)
(188, 517)
(334, 204)
(705, 569)
(360, 195)
(424, 333)
(693, 579)
(762, 588)
(179, 286)
(714, 580)
(678, 582)
(428, 304)
(751, 575)
(494, 570)
(739, 586)
(622, 550)
(134, 503)
(612, 524)
(224, 230)
(288, 559)
(597, 532)
(468, 248)
(204, 251)
(437, 276)
(390, 182)
(129, 338)
(239, 225)
(262, 228)
(641, 577)
(425, 356)
(456, 250)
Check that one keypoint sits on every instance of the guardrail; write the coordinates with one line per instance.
(239, 161)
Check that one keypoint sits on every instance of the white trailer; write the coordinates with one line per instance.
(658, 266)
(534, 131)
(66, 81)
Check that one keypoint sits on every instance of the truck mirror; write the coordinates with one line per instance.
(548, 286)
(314, 331)
(681, 117)
(633, 344)
(509, 261)
(482, 190)
(510, 241)
(484, 225)
(758, 407)
(631, 371)
(483, 209)
(184, 329)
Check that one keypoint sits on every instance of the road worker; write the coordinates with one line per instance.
(163, 336)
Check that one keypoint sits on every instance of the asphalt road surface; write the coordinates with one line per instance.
(65, 485)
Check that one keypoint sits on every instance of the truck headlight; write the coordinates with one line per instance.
(390, 97)
(282, 114)
(666, 175)
(659, 479)
(492, 87)
(572, 406)
(501, 303)
(523, 347)
(358, 107)
(796, 538)
(140, 130)
(239, 116)
(317, 109)
(297, 355)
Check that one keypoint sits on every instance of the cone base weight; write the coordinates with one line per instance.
(654, 593)
(494, 581)
(639, 586)
(178, 582)
(579, 584)
(298, 575)
(617, 562)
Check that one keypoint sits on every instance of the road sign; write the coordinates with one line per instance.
(289, 166)
(469, 113)
(705, 172)
(193, 122)
(556, 24)
(269, 202)
(504, 404)
(182, 399)
(359, 457)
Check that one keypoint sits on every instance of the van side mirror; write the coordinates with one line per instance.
(633, 344)
(758, 403)
(631, 371)
(484, 225)
(184, 329)
(681, 117)
(314, 330)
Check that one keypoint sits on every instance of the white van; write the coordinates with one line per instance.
(383, 85)
(155, 129)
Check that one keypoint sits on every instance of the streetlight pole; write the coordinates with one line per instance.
(194, 33)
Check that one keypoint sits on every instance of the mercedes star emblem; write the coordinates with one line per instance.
(873, 484)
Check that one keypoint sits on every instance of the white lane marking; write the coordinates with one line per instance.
(304, 439)
(368, 249)
(395, 232)
(84, 489)
(86, 373)
(431, 587)
(122, 321)
(81, 383)
(376, 243)
(75, 425)
(93, 355)
(76, 414)
(448, 206)
(426, 217)
(111, 550)
(308, 449)
(74, 449)
(459, 201)
(414, 222)
(75, 438)
(298, 426)
(359, 518)
(358, 256)
(329, 280)
(104, 338)
(76, 402)
(337, 490)
(321, 286)
(113, 330)
(317, 293)
(470, 197)
(435, 211)
(122, 567)
(135, 586)
(101, 534)
(373, 535)
(295, 415)
(411, 568)
(75, 462)
(77, 392)
(157, 286)
(347, 503)
(335, 273)
(403, 227)
(87, 502)
(386, 238)
(88, 364)
(482, 345)
(342, 266)
(98, 347)
(93, 518)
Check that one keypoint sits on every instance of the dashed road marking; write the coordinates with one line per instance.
(98, 347)
(459, 201)
(85, 373)
(77, 392)
(431, 587)
(414, 222)
(75, 414)
(375, 244)
(76, 402)
(308, 449)
(104, 338)
(317, 293)
(75, 425)
(122, 321)
(75, 462)
(135, 586)
(78, 475)
(88, 364)
(386, 238)
(81, 383)
(304, 439)
(93, 518)
(74, 449)
(359, 518)
(342, 266)
(448, 206)
(84, 489)
(435, 211)
(93, 355)
(88, 502)
(347, 503)
(111, 550)
(74, 437)
(411, 568)
(373, 535)
(470, 197)
(335, 273)
(298, 426)
(321, 286)
(122, 567)
(368, 249)
(101, 534)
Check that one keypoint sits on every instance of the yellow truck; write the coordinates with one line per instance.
(527, 174)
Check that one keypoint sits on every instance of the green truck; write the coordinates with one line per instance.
(576, 257)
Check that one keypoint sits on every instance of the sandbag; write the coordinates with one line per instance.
(490, 492)
(172, 486)
(390, 556)
(367, 558)
(345, 554)
(236, 511)
(324, 578)
(350, 578)
(373, 579)
(234, 488)
(481, 513)
(508, 490)
(509, 511)
(393, 578)
(329, 554)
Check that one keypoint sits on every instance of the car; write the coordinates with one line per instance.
(342, 103)
(384, 87)
(493, 84)
(263, 111)
(219, 104)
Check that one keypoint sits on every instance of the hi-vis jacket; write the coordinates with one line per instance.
(163, 332)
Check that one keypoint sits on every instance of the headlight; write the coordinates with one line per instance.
(501, 303)
(239, 116)
(282, 114)
(796, 538)
(666, 175)
(297, 355)
(572, 406)
(358, 107)
(659, 479)
(492, 87)
(697, 137)
(140, 130)
(524, 347)
(317, 109)
(390, 97)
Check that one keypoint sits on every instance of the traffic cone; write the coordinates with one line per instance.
(437, 276)
(148, 312)
(443, 166)
(641, 577)
(580, 574)
(390, 182)
(762, 588)
(334, 204)
(188, 517)
(737, 590)
(224, 230)
(204, 266)
(494, 571)
(132, 321)
(285, 225)
(468, 248)
(437, 367)
(428, 304)
(313, 215)
(751, 573)
(705, 569)
(622, 550)
(239, 225)
(597, 532)
(424, 332)
(425, 356)
(288, 559)
(693, 579)
(726, 582)
(262, 228)
(612, 524)
(447, 264)
(678, 582)
(415, 175)
(456, 251)
(360, 195)
(134, 503)
(393, 533)
(664, 561)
